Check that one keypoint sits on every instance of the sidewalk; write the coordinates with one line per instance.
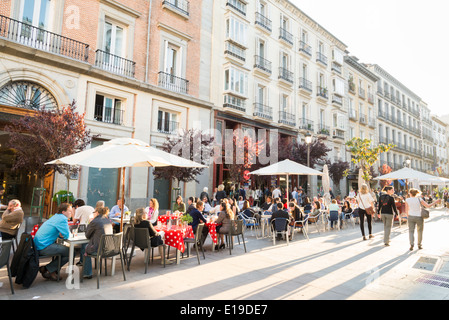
(335, 265)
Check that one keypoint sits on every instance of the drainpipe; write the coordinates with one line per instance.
(148, 41)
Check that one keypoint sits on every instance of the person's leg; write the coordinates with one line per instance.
(52, 250)
(387, 220)
(369, 220)
(362, 222)
(420, 228)
(411, 231)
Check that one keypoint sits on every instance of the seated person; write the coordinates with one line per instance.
(280, 213)
(11, 220)
(191, 204)
(197, 219)
(334, 207)
(99, 226)
(224, 222)
(295, 214)
(307, 206)
(82, 212)
(117, 213)
(152, 211)
(267, 206)
(44, 240)
(207, 207)
(179, 205)
(249, 212)
(156, 237)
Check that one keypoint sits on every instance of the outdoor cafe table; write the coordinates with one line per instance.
(164, 218)
(72, 241)
(174, 237)
(213, 232)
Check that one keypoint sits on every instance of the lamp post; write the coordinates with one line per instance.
(308, 142)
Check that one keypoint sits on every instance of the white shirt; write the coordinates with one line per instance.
(276, 193)
(414, 206)
(364, 200)
(82, 214)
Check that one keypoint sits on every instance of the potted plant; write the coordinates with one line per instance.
(186, 219)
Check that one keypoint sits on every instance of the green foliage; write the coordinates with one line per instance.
(365, 154)
(186, 218)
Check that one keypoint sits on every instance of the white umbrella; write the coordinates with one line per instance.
(417, 177)
(286, 168)
(123, 153)
(326, 186)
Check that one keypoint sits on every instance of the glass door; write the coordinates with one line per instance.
(35, 18)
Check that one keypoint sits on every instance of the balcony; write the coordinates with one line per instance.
(285, 36)
(353, 115)
(234, 103)
(305, 85)
(262, 64)
(285, 75)
(167, 127)
(23, 33)
(323, 130)
(287, 118)
(178, 6)
(262, 111)
(237, 5)
(322, 92)
(235, 51)
(305, 124)
(114, 64)
(304, 47)
(338, 134)
(336, 99)
(173, 83)
(108, 115)
(370, 98)
(362, 93)
(320, 57)
(263, 22)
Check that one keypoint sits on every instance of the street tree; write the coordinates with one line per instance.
(365, 154)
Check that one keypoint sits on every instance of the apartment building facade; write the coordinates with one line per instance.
(402, 120)
(133, 67)
(276, 69)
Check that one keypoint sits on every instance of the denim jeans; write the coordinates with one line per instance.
(418, 223)
(52, 250)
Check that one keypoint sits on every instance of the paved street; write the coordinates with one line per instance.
(332, 265)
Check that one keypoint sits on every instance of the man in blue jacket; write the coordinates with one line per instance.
(45, 240)
(197, 219)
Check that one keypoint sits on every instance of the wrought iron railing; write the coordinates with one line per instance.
(263, 21)
(263, 111)
(42, 39)
(173, 83)
(182, 6)
(108, 115)
(114, 64)
(262, 64)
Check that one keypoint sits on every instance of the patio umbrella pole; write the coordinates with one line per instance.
(122, 205)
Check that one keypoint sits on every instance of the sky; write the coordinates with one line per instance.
(407, 38)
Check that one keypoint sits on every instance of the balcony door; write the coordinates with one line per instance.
(35, 17)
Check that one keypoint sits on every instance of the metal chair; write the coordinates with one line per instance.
(110, 246)
(5, 251)
(333, 217)
(302, 226)
(250, 222)
(30, 222)
(235, 230)
(142, 240)
(279, 226)
(196, 241)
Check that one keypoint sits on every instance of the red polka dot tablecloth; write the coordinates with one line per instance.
(212, 231)
(174, 237)
(165, 218)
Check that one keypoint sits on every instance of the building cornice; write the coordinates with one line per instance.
(351, 61)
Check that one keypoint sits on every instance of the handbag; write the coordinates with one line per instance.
(370, 210)
(425, 213)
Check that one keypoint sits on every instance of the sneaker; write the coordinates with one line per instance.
(371, 236)
(411, 248)
(87, 277)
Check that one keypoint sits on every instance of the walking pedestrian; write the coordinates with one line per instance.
(387, 207)
(415, 220)
(365, 200)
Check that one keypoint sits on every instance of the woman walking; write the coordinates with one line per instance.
(413, 210)
(365, 200)
(386, 208)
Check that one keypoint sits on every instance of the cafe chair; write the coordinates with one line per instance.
(235, 230)
(30, 222)
(251, 223)
(279, 227)
(5, 251)
(333, 219)
(302, 226)
(196, 241)
(142, 240)
(110, 246)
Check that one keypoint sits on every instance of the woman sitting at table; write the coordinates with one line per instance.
(198, 217)
(152, 211)
(296, 214)
(224, 222)
(307, 206)
(99, 226)
(249, 212)
(156, 237)
(179, 205)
